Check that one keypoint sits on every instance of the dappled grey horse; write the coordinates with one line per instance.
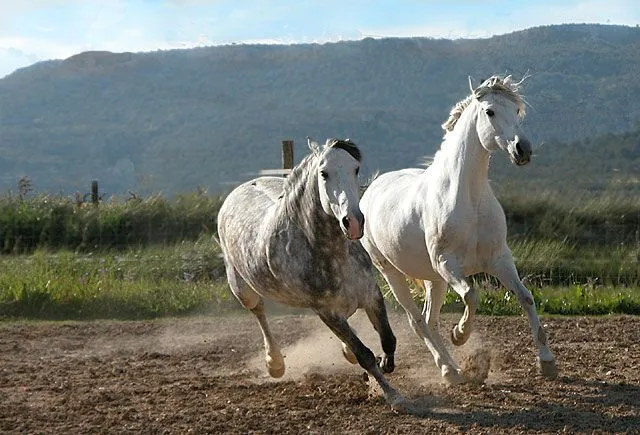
(294, 241)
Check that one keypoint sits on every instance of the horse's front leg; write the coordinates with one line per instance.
(367, 360)
(449, 268)
(377, 314)
(505, 270)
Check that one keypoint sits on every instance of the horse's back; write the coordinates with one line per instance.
(397, 179)
(242, 214)
(260, 192)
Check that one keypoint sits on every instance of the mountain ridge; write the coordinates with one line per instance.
(173, 120)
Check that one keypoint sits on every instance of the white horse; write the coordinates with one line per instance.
(442, 224)
(294, 241)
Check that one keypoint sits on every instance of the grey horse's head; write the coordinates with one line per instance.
(338, 185)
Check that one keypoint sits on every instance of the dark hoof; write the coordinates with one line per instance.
(548, 369)
(457, 337)
(386, 363)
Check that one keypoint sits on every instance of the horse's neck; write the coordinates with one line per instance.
(304, 209)
(462, 163)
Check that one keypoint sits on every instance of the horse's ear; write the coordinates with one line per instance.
(313, 145)
(507, 80)
(471, 84)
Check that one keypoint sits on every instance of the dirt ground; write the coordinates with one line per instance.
(206, 375)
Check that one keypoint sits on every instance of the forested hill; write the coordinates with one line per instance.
(173, 120)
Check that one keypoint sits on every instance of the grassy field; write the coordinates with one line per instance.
(165, 280)
(154, 257)
(188, 277)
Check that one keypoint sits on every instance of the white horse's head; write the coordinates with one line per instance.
(500, 109)
(338, 184)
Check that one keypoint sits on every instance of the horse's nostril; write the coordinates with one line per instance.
(519, 149)
(345, 223)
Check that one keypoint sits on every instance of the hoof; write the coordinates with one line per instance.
(548, 369)
(348, 355)
(386, 363)
(276, 372)
(452, 376)
(402, 405)
(275, 366)
(457, 337)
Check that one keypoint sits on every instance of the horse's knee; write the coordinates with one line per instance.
(526, 298)
(366, 358)
(348, 354)
(247, 297)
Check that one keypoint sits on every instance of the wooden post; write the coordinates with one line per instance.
(95, 198)
(287, 155)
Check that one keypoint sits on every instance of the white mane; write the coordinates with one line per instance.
(506, 86)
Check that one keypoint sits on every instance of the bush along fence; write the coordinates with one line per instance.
(57, 222)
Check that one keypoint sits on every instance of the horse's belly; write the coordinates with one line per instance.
(407, 253)
(416, 265)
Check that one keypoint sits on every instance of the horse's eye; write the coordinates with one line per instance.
(357, 171)
(324, 174)
(490, 113)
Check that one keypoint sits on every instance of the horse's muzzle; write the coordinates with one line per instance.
(353, 225)
(520, 151)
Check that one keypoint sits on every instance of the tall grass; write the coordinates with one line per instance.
(57, 222)
(580, 219)
(189, 277)
(155, 281)
(156, 256)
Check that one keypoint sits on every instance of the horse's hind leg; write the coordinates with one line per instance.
(435, 293)
(253, 302)
(365, 356)
(377, 314)
(448, 368)
(449, 268)
(274, 359)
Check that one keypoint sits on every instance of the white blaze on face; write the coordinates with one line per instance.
(339, 190)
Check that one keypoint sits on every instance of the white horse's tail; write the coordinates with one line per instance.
(368, 181)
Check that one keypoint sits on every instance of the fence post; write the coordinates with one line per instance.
(95, 198)
(287, 155)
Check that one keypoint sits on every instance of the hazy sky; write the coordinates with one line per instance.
(34, 30)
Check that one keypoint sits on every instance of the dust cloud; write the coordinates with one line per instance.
(319, 352)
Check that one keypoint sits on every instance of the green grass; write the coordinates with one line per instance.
(59, 223)
(189, 277)
(548, 263)
(153, 256)
(170, 280)
(579, 299)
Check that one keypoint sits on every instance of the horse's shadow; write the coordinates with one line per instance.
(551, 416)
